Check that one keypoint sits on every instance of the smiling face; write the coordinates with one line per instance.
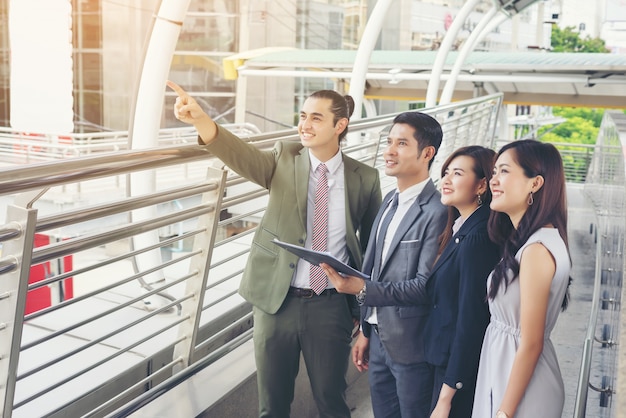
(460, 185)
(317, 128)
(403, 160)
(510, 187)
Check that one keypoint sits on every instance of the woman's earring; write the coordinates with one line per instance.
(479, 200)
(530, 200)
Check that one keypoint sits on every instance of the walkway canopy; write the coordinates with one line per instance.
(542, 78)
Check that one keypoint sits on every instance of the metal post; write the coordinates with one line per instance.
(13, 288)
(192, 308)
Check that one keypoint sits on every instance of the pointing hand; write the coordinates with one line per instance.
(187, 110)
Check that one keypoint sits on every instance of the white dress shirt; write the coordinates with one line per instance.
(336, 241)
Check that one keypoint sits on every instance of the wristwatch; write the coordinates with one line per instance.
(360, 297)
(501, 414)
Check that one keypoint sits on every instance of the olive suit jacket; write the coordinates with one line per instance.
(284, 171)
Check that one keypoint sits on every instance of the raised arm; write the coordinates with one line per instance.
(241, 157)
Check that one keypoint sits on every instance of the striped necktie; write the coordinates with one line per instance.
(318, 279)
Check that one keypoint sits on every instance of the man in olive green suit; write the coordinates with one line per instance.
(291, 314)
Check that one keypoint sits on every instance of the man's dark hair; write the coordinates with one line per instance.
(341, 106)
(428, 131)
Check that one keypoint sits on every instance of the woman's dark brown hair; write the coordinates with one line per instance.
(484, 159)
(549, 207)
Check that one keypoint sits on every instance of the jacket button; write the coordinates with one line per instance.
(301, 241)
(292, 265)
(459, 385)
(456, 240)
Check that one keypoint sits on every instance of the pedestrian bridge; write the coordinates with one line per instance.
(105, 311)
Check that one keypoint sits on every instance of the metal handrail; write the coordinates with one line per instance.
(607, 148)
(87, 214)
(177, 379)
(30, 148)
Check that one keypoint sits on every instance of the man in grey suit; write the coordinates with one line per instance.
(293, 314)
(400, 254)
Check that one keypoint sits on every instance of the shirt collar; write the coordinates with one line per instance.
(458, 223)
(411, 193)
(332, 165)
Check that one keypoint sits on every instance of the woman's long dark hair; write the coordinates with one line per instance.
(549, 207)
(484, 158)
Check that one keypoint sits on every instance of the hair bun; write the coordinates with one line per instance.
(350, 103)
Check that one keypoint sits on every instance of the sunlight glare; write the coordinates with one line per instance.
(40, 37)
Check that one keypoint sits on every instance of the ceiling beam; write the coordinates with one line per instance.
(541, 99)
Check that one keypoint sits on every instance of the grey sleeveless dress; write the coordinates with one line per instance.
(545, 394)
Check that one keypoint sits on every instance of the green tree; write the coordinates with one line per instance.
(569, 40)
(576, 130)
(582, 124)
(581, 127)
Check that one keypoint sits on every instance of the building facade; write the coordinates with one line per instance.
(109, 40)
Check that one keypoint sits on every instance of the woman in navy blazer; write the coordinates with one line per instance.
(457, 284)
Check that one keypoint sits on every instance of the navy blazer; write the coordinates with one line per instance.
(402, 278)
(460, 314)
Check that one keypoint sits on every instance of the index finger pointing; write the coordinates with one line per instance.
(178, 89)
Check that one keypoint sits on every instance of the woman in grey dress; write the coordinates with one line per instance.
(519, 373)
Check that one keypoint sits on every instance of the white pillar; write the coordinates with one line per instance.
(540, 24)
(145, 124)
(363, 54)
(484, 27)
(41, 66)
(244, 44)
(146, 120)
(442, 54)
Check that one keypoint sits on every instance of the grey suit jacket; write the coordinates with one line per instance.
(400, 290)
(285, 172)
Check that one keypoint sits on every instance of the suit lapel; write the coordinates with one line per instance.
(478, 216)
(368, 260)
(447, 252)
(409, 219)
(302, 169)
(353, 189)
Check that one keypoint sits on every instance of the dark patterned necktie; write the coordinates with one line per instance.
(382, 233)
